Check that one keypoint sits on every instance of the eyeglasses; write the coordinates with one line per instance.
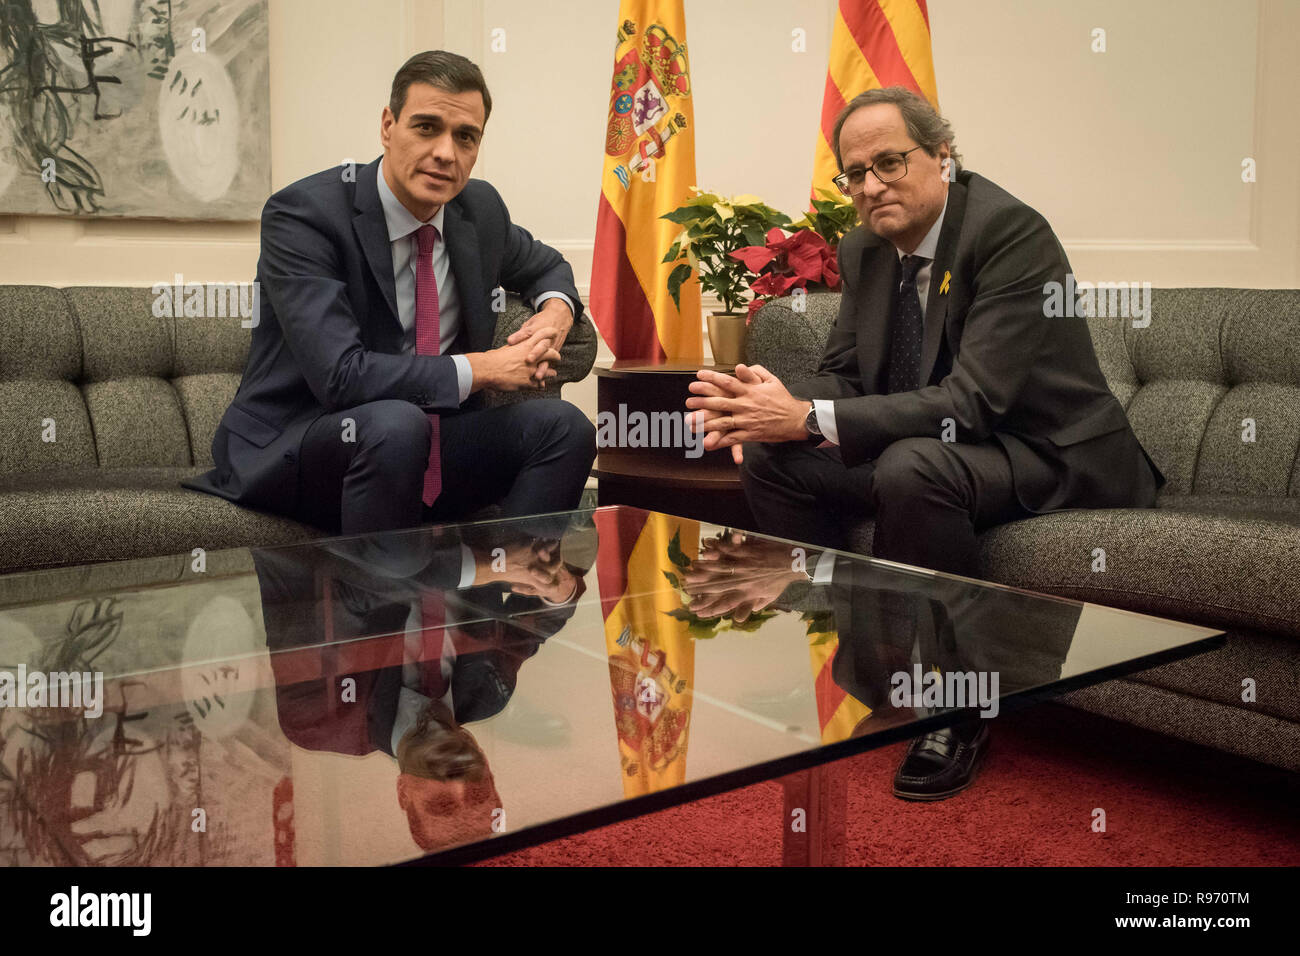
(889, 168)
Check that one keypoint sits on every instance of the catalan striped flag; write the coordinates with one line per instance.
(837, 712)
(875, 43)
(649, 170)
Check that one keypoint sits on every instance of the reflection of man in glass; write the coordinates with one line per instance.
(444, 785)
(450, 617)
(891, 622)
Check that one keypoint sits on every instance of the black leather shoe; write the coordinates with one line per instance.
(941, 763)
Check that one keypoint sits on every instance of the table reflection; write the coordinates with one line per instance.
(451, 600)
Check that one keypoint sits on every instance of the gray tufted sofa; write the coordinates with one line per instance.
(1222, 547)
(131, 402)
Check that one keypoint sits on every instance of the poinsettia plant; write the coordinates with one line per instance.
(801, 260)
(713, 227)
(831, 217)
(804, 259)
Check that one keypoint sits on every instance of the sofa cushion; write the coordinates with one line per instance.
(34, 410)
(138, 423)
(790, 344)
(40, 362)
(1233, 729)
(204, 399)
(120, 335)
(1268, 415)
(156, 386)
(1270, 660)
(1218, 560)
(39, 334)
(1169, 417)
(1217, 569)
(1213, 366)
(210, 344)
(1182, 340)
(78, 516)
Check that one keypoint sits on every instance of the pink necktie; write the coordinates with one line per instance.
(427, 343)
(433, 614)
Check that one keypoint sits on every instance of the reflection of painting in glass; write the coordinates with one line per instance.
(156, 780)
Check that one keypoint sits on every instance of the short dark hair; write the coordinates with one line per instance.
(924, 124)
(447, 71)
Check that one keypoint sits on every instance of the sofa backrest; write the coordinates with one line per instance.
(116, 386)
(1213, 368)
(1212, 387)
(113, 385)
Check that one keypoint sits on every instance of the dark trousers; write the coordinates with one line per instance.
(529, 458)
(928, 498)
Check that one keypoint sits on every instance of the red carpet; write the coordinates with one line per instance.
(1167, 803)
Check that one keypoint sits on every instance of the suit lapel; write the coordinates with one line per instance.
(936, 307)
(880, 277)
(466, 265)
(372, 232)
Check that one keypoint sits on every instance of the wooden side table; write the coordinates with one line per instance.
(664, 479)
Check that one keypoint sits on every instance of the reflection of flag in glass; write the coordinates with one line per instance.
(837, 712)
(651, 655)
(649, 170)
(875, 43)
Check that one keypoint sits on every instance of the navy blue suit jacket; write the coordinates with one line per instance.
(328, 337)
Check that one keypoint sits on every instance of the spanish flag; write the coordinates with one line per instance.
(651, 652)
(649, 170)
(875, 43)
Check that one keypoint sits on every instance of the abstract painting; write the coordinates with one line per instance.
(139, 108)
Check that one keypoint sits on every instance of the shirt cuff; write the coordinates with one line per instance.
(824, 571)
(825, 409)
(468, 568)
(550, 603)
(537, 302)
(464, 376)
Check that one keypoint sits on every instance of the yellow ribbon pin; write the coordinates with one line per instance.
(943, 286)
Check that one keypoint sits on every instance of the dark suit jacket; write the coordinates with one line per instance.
(991, 361)
(880, 614)
(329, 337)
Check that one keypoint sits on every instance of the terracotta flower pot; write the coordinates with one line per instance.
(727, 334)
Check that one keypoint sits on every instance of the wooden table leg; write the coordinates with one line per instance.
(814, 816)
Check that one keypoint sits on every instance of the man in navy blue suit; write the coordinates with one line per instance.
(358, 409)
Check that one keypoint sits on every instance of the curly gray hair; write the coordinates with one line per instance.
(924, 124)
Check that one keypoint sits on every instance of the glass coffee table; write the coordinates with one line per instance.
(446, 694)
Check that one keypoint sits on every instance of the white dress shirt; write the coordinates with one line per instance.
(402, 228)
(926, 250)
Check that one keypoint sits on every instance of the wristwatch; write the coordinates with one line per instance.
(810, 423)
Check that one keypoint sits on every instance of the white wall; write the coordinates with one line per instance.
(1134, 155)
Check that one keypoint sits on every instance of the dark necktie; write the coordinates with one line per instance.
(909, 325)
(427, 343)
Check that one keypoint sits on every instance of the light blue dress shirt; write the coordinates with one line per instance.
(402, 227)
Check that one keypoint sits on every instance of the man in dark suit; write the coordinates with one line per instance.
(947, 400)
(358, 408)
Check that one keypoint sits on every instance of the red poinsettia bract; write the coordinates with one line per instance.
(788, 262)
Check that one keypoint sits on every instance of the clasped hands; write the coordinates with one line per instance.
(736, 575)
(751, 406)
(526, 360)
(528, 566)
